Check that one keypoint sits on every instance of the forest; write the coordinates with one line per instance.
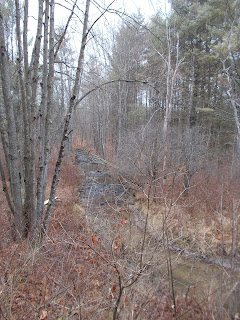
(119, 160)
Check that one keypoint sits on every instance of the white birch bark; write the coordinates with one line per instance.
(26, 201)
(29, 199)
(47, 105)
(42, 113)
(171, 78)
(67, 125)
(34, 66)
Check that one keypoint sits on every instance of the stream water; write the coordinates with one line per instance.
(105, 200)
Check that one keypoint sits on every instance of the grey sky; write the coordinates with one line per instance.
(147, 8)
(109, 22)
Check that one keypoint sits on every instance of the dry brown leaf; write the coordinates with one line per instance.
(114, 288)
(124, 221)
(94, 239)
(43, 315)
(116, 245)
(95, 283)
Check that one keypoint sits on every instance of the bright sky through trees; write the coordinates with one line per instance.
(117, 10)
(146, 7)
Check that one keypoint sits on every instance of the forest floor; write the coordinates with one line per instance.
(74, 275)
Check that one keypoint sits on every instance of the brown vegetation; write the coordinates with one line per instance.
(73, 276)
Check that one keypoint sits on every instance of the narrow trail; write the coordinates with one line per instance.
(109, 206)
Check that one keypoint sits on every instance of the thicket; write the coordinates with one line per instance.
(160, 105)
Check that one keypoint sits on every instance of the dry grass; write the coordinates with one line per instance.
(62, 279)
(205, 220)
(72, 276)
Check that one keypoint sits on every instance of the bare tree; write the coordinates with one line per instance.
(171, 77)
(25, 195)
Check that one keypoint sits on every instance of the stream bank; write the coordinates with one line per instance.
(107, 201)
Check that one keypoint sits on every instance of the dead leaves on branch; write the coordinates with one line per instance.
(94, 239)
(43, 315)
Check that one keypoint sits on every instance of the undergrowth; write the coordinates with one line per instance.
(73, 276)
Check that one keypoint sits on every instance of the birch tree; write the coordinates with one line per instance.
(171, 77)
(166, 51)
(24, 170)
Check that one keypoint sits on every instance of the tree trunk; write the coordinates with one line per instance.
(67, 125)
(13, 154)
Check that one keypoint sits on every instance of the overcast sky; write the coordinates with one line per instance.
(109, 22)
(147, 8)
